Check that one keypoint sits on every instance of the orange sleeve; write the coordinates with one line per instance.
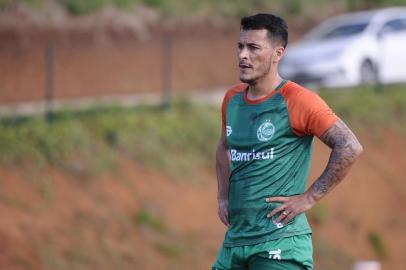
(308, 113)
(230, 93)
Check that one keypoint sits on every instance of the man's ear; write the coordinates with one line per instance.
(278, 53)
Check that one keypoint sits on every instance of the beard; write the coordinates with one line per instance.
(249, 81)
(263, 70)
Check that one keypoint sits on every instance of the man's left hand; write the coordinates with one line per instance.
(290, 207)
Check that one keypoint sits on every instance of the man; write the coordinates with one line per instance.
(263, 157)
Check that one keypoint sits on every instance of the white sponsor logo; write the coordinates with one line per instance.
(265, 131)
(247, 156)
(275, 254)
(229, 130)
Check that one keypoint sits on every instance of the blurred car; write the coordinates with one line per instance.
(357, 48)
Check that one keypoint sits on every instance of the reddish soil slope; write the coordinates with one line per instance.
(131, 218)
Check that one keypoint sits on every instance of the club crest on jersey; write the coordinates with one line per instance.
(229, 130)
(265, 131)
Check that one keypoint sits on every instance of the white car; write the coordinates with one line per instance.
(352, 49)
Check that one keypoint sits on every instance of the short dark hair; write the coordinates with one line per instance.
(276, 26)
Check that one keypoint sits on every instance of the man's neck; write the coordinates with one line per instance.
(263, 87)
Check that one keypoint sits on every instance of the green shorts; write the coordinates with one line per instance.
(290, 253)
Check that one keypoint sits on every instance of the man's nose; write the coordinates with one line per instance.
(242, 53)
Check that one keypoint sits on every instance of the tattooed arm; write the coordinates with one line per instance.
(345, 150)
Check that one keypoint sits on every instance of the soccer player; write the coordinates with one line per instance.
(263, 157)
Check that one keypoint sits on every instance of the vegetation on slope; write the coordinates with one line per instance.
(367, 107)
(210, 8)
(175, 139)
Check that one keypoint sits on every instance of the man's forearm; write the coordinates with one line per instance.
(223, 172)
(345, 150)
(223, 185)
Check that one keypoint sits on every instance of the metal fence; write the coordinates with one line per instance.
(169, 65)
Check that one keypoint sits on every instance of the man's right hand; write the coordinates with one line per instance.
(223, 211)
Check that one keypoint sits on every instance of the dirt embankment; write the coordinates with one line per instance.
(131, 218)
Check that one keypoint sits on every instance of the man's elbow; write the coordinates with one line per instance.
(358, 149)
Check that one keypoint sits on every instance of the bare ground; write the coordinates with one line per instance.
(52, 220)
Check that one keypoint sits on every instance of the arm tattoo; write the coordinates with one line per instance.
(345, 150)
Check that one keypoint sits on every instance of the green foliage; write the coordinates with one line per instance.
(328, 256)
(176, 140)
(83, 143)
(234, 8)
(369, 4)
(79, 7)
(168, 249)
(154, 3)
(52, 258)
(213, 8)
(319, 214)
(64, 143)
(367, 107)
(377, 245)
(78, 256)
(124, 4)
(36, 4)
(4, 3)
(294, 7)
(13, 202)
(149, 220)
(46, 189)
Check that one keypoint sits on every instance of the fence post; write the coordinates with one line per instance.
(49, 91)
(167, 71)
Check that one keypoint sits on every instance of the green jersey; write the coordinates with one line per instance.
(269, 142)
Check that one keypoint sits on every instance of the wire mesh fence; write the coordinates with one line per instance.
(164, 66)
